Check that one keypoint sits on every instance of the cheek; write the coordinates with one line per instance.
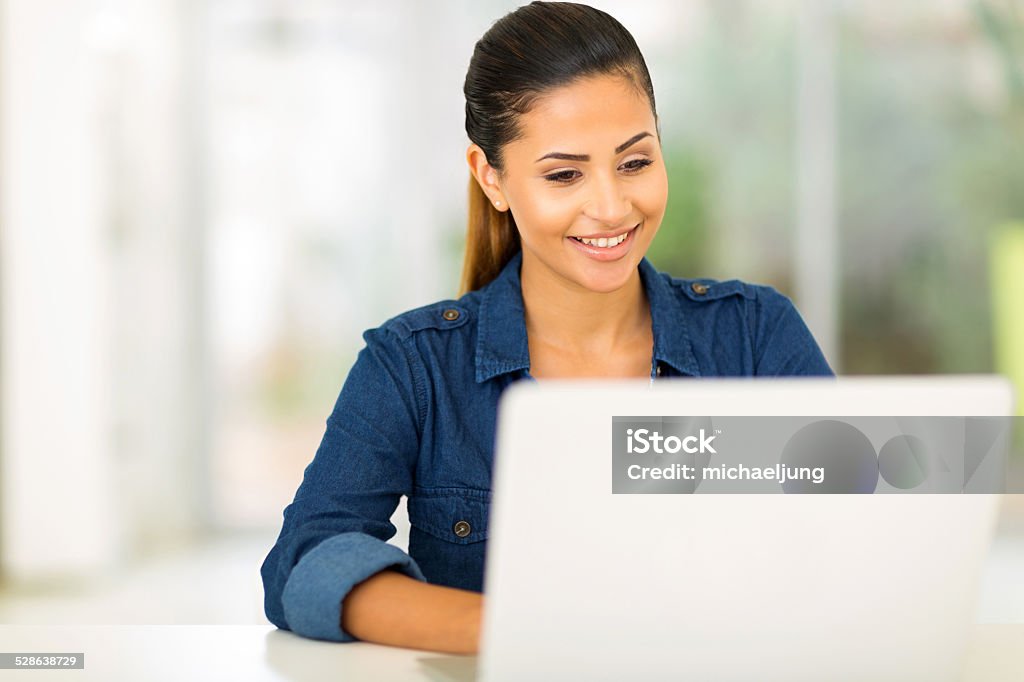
(652, 195)
(544, 214)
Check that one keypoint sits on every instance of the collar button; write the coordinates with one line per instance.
(699, 288)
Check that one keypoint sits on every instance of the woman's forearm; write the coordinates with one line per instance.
(392, 608)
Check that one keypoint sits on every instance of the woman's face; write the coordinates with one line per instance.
(588, 167)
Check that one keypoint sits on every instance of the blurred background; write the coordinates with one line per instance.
(204, 204)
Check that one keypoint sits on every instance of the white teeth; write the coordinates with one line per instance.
(605, 242)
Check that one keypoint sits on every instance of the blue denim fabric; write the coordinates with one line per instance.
(416, 417)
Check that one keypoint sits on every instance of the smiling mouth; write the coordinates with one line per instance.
(606, 242)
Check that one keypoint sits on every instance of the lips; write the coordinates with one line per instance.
(606, 253)
(605, 235)
(602, 242)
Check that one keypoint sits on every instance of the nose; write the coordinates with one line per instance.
(608, 202)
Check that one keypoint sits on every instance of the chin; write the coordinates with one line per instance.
(609, 277)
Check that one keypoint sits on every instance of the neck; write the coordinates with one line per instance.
(561, 314)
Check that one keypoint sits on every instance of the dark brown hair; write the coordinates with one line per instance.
(527, 52)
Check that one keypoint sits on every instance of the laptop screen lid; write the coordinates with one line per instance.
(582, 583)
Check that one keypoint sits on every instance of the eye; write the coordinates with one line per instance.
(562, 177)
(637, 165)
(567, 176)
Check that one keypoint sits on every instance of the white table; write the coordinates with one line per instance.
(254, 653)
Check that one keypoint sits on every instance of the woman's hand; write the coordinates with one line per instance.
(392, 608)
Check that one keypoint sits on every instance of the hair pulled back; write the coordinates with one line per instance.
(527, 52)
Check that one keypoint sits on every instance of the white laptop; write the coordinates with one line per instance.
(585, 584)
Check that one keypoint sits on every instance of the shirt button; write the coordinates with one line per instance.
(451, 314)
(699, 288)
(658, 370)
(462, 528)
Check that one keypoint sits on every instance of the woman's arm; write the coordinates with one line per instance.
(335, 531)
(392, 608)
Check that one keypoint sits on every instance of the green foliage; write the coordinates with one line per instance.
(1005, 31)
(929, 162)
(991, 175)
(681, 245)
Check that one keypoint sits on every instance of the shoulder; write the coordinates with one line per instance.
(441, 316)
(702, 291)
(761, 325)
(750, 307)
(759, 305)
(756, 317)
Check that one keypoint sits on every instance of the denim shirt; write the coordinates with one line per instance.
(416, 417)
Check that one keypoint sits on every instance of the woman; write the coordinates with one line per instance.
(567, 190)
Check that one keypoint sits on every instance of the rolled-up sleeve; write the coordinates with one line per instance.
(783, 345)
(335, 531)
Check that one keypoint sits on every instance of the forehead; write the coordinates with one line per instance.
(586, 116)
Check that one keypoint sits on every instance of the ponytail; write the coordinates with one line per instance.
(491, 240)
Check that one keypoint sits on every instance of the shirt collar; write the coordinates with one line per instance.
(501, 342)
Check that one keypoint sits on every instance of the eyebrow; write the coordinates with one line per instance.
(586, 157)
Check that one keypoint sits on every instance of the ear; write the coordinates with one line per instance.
(486, 176)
